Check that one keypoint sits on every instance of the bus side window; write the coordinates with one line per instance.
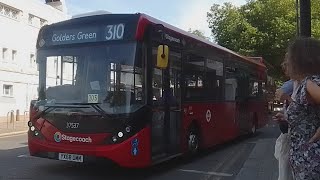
(214, 78)
(253, 88)
(256, 89)
(243, 89)
(231, 89)
(231, 84)
(194, 78)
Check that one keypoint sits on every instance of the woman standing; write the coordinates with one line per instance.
(303, 111)
(284, 94)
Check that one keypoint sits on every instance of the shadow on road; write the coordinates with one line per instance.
(102, 170)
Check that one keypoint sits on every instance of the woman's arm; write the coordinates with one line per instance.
(279, 117)
(315, 137)
(314, 91)
(282, 96)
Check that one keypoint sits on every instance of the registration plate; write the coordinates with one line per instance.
(70, 157)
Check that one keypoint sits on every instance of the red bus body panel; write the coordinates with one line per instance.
(121, 153)
(223, 125)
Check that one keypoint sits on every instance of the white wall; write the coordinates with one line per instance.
(21, 36)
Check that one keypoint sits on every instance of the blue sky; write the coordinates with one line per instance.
(184, 14)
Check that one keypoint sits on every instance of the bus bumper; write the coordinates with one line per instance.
(121, 154)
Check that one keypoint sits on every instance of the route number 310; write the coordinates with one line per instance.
(115, 32)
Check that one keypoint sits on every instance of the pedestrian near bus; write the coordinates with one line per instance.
(303, 65)
(282, 147)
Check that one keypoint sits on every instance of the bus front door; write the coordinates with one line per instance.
(242, 106)
(166, 110)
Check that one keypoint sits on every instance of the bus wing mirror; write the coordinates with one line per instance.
(162, 56)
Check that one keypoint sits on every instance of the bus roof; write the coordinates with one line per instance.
(141, 20)
(94, 13)
(202, 40)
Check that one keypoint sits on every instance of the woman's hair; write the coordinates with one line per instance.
(303, 58)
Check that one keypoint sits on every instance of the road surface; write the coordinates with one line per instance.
(223, 162)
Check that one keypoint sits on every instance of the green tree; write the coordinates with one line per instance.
(198, 33)
(259, 28)
(230, 29)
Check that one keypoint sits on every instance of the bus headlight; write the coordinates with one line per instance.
(120, 134)
(29, 123)
(36, 133)
(114, 139)
(128, 129)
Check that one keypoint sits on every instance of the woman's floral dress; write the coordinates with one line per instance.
(303, 122)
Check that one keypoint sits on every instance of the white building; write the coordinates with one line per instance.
(20, 22)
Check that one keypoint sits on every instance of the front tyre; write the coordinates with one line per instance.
(193, 140)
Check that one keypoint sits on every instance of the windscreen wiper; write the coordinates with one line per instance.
(48, 108)
(76, 105)
(42, 113)
(100, 110)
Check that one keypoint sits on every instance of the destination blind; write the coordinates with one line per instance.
(84, 35)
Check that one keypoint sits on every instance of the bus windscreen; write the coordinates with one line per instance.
(108, 75)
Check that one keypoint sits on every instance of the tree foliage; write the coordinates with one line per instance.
(198, 33)
(259, 28)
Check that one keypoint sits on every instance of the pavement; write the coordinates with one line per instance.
(246, 158)
(13, 128)
(261, 163)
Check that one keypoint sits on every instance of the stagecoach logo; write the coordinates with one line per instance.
(57, 136)
(170, 38)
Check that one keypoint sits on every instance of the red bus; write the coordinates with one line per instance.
(137, 91)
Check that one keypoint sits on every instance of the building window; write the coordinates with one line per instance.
(43, 22)
(31, 19)
(4, 53)
(9, 12)
(15, 15)
(14, 55)
(34, 21)
(7, 90)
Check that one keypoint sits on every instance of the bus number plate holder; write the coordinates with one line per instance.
(71, 157)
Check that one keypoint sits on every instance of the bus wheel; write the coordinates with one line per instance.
(193, 140)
